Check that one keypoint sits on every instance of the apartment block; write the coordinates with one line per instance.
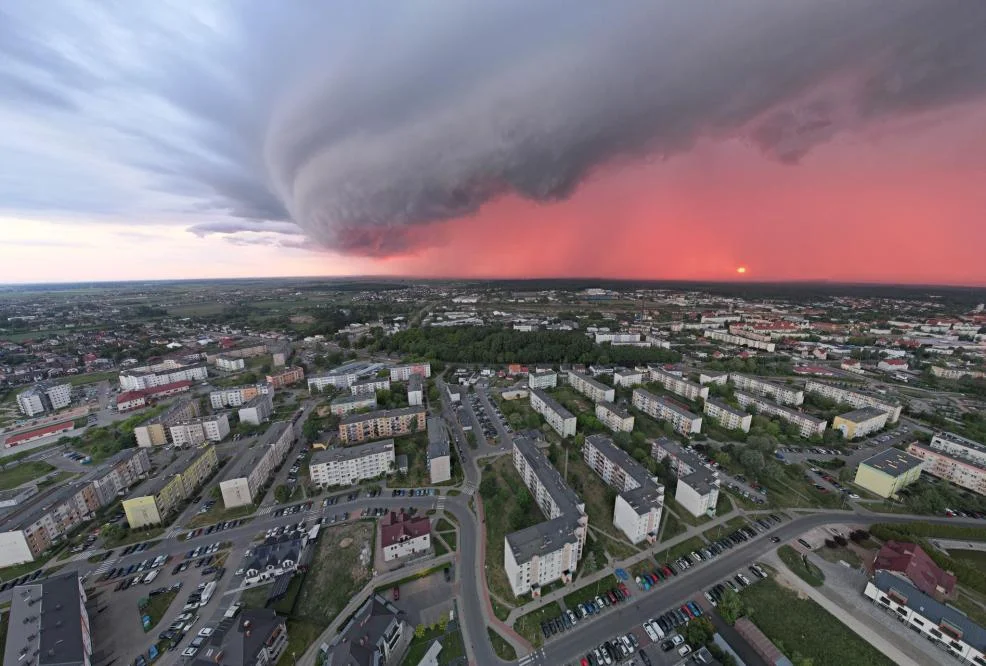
(348, 404)
(543, 379)
(640, 499)
(727, 416)
(707, 377)
(48, 624)
(739, 340)
(347, 465)
(959, 447)
(415, 391)
(808, 425)
(439, 452)
(887, 472)
(559, 418)
(965, 471)
(286, 377)
(855, 399)
(155, 431)
(779, 393)
(590, 388)
(244, 351)
(370, 386)
(166, 372)
(212, 428)
(698, 486)
(860, 422)
(44, 397)
(541, 554)
(237, 396)
(342, 380)
(229, 363)
(257, 410)
(663, 409)
(401, 373)
(454, 393)
(679, 385)
(617, 419)
(130, 400)
(248, 476)
(153, 501)
(628, 378)
(381, 424)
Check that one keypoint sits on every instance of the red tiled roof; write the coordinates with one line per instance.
(40, 432)
(151, 392)
(402, 527)
(910, 560)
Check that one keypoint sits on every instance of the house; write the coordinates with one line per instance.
(404, 535)
(257, 637)
(911, 562)
(377, 635)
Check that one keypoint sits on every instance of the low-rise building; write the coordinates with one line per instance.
(679, 385)
(887, 472)
(860, 422)
(779, 393)
(256, 637)
(727, 416)
(559, 418)
(401, 373)
(542, 379)
(370, 386)
(439, 452)
(855, 399)
(257, 411)
(808, 425)
(348, 404)
(48, 624)
(892, 365)
(44, 397)
(237, 396)
(698, 486)
(245, 479)
(155, 431)
(617, 419)
(454, 393)
(628, 378)
(591, 388)
(130, 400)
(286, 377)
(415, 390)
(640, 498)
(377, 635)
(347, 465)
(909, 561)
(212, 428)
(663, 409)
(153, 501)
(404, 535)
(248, 350)
(229, 364)
(381, 424)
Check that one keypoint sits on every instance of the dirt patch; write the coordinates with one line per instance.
(346, 543)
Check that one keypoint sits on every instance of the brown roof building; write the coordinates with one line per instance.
(910, 561)
(405, 535)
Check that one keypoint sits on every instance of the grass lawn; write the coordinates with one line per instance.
(503, 649)
(975, 558)
(255, 597)
(337, 572)
(686, 546)
(968, 604)
(728, 527)
(129, 536)
(792, 559)
(501, 611)
(672, 526)
(217, 514)
(683, 514)
(443, 525)
(499, 510)
(800, 626)
(590, 591)
(56, 479)
(92, 378)
(833, 555)
(157, 607)
(529, 626)
(4, 622)
(18, 570)
(439, 546)
(301, 634)
(450, 538)
(452, 647)
(22, 473)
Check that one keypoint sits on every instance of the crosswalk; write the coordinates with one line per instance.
(440, 504)
(532, 658)
(265, 510)
(104, 566)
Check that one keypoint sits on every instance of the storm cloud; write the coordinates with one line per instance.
(363, 123)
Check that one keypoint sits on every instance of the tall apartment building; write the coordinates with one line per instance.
(590, 388)
(286, 377)
(855, 399)
(44, 397)
(888, 472)
(658, 407)
(153, 501)
(541, 554)
(617, 419)
(237, 396)
(679, 385)
(415, 390)
(339, 380)
(347, 465)
(713, 377)
(860, 422)
(48, 623)
(439, 452)
(166, 372)
(119, 473)
(212, 428)
(779, 393)
(347, 404)
(251, 473)
(739, 340)
(257, 410)
(542, 379)
(559, 418)
(129, 400)
(955, 459)
(370, 386)
(628, 378)
(229, 363)
(807, 425)
(640, 498)
(155, 431)
(401, 373)
(381, 424)
(727, 416)
(698, 486)
(244, 351)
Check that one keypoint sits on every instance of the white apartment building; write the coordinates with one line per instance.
(167, 372)
(658, 407)
(808, 425)
(779, 393)
(342, 380)
(628, 378)
(415, 390)
(257, 410)
(559, 418)
(589, 387)
(251, 472)
(679, 385)
(615, 418)
(44, 397)
(698, 486)
(351, 464)
(854, 399)
(617, 339)
(860, 422)
(401, 373)
(370, 386)
(212, 428)
(439, 452)
(230, 364)
(730, 339)
(404, 535)
(536, 556)
(544, 379)
(235, 396)
(727, 416)
(713, 377)
(965, 472)
(348, 404)
(956, 373)
(640, 498)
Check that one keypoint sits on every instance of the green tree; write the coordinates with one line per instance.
(699, 631)
(731, 606)
(282, 493)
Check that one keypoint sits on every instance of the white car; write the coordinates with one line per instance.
(677, 639)
(656, 629)
(205, 632)
(189, 652)
(650, 632)
(684, 650)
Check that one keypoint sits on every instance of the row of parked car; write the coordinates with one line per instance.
(119, 572)
(414, 492)
(289, 510)
(572, 616)
(736, 583)
(613, 651)
(218, 527)
(26, 578)
(201, 551)
(135, 548)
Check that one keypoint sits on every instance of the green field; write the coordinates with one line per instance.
(590, 591)
(503, 649)
(529, 625)
(793, 561)
(157, 607)
(22, 473)
(683, 548)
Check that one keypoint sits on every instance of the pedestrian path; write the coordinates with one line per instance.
(265, 510)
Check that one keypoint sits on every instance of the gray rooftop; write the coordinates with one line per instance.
(154, 484)
(613, 408)
(591, 382)
(648, 493)
(234, 643)
(777, 407)
(438, 444)
(700, 478)
(351, 452)
(784, 388)
(415, 383)
(351, 399)
(383, 414)
(725, 406)
(625, 372)
(48, 610)
(244, 464)
(673, 405)
(863, 414)
(552, 404)
(356, 644)
(892, 462)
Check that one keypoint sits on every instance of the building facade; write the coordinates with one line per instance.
(544, 379)
(779, 393)
(370, 386)
(807, 425)
(855, 399)
(286, 377)
(348, 404)
(698, 486)
(229, 363)
(727, 416)
(887, 472)
(257, 410)
(640, 498)
(44, 397)
(559, 418)
(628, 378)
(250, 474)
(212, 428)
(238, 396)
(401, 373)
(153, 502)
(382, 424)
(155, 431)
(166, 372)
(348, 465)
(404, 536)
(617, 419)
(739, 340)
(590, 388)
(860, 422)
(341, 380)
(964, 471)
(659, 407)
(679, 385)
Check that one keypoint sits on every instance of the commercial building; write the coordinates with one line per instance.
(698, 486)
(339, 380)
(727, 416)
(44, 397)
(401, 373)
(129, 400)
(286, 377)
(855, 399)
(255, 637)
(439, 452)
(730, 339)
(640, 498)
(347, 404)
(257, 410)
(166, 372)
(370, 386)
(713, 377)
(949, 629)
(237, 396)
(559, 418)
(245, 479)
(155, 431)
(617, 419)
(229, 363)
(887, 472)
(956, 373)
(542, 379)
(966, 471)
(909, 561)
(377, 635)
(415, 390)
(779, 393)
(807, 425)
(381, 424)
(153, 501)
(212, 428)
(347, 465)
(590, 388)
(48, 624)
(404, 535)
(541, 554)
(663, 409)
(26, 436)
(679, 385)
(860, 422)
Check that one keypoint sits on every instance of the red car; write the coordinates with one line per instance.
(397, 593)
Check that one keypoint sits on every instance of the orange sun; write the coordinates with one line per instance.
(741, 270)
